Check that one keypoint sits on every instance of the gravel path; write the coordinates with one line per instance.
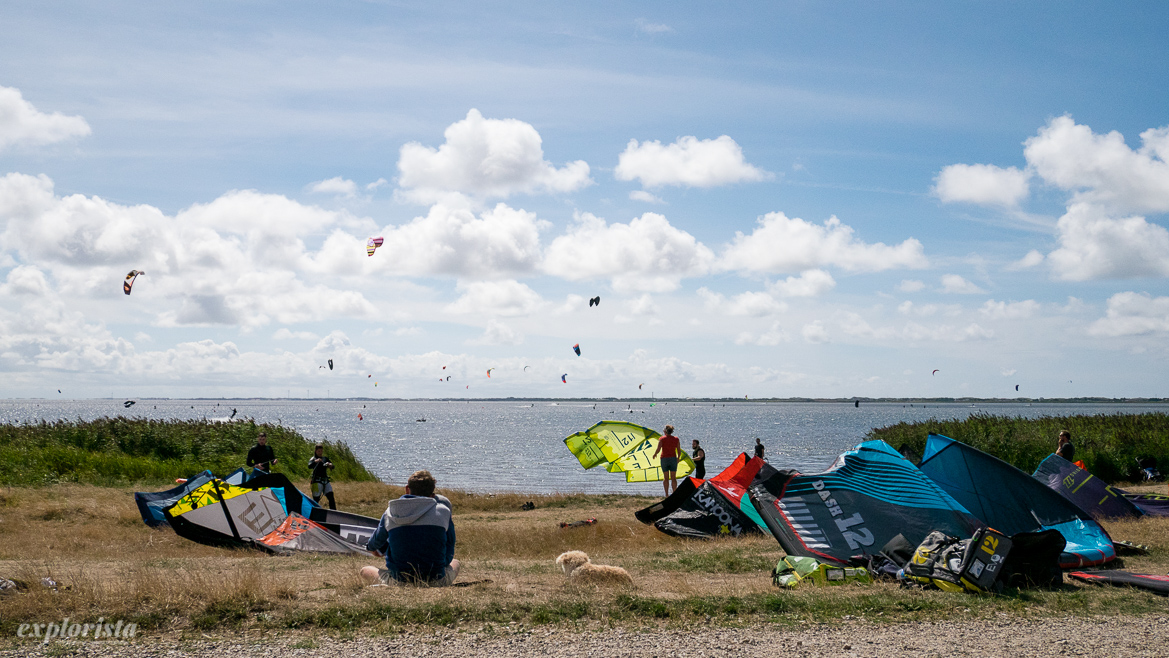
(1111, 636)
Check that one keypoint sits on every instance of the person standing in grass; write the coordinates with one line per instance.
(699, 457)
(320, 468)
(417, 536)
(261, 457)
(669, 446)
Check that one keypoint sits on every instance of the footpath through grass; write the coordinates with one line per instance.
(113, 451)
(1109, 445)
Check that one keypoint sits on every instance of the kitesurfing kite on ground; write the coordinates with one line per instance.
(718, 506)
(372, 244)
(576, 348)
(129, 282)
(595, 301)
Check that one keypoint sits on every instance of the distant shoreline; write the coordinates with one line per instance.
(853, 400)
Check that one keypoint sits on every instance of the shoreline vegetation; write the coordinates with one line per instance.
(119, 450)
(86, 534)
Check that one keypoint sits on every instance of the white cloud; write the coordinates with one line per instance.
(381, 182)
(498, 333)
(853, 324)
(911, 285)
(652, 28)
(815, 332)
(1132, 314)
(1008, 373)
(1094, 246)
(487, 298)
(809, 283)
(26, 280)
(646, 197)
(688, 161)
(1009, 310)
(754, 304)
(455, 242)
(336, 185)
(1031, 259)
(643, 305)
(773, 336)
(780, 244)
(957, 285)
(1102, 169)
(284, 333)
(647, 254)
(982, 184)
(485, 158)
(237, 260)
(23, 124)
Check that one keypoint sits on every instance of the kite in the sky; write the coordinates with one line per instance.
(576, 348)
(372, 244)
(448, 378)
(330, 364)
(639, 386)
(526, 368)
(1016, 387)
(934, 372)
(128, 403)
(489, 371)
(368, 376)
(129, 282)
(595, 301)
(564, 378)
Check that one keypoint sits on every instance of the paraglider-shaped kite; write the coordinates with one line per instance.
(934, 373)
(639, 386)
(526, 368)
(129, 282)
(489, 371)
(128, 403)
(1016, 387)
(576, 348)
(595, 301)
(372, 244)
(564, 378)
(330, 364)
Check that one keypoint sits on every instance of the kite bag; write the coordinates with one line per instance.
(960, 565)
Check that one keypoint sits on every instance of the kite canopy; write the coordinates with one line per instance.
(576, 348)
(129, 282)
(151, 505)
(623, 448)
(297, 533)
(714, 507)
(1149, 503)
(1011, 501)
(372, 244)
(222, 512)
(330, 364)
(595, 301)
(1085, 490)
(353, 528)
(867, 497)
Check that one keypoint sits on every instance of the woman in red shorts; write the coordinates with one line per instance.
(669, 446)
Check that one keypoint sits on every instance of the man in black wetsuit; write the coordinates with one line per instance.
(320, 468)
(699, 457)
(261, 457)
(758, 448)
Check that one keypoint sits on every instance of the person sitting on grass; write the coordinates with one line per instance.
(320, 468)
(417, 536)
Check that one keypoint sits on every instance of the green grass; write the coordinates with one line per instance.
(1109, 445)
(112, 451)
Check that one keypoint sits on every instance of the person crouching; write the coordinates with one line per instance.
(417, 536)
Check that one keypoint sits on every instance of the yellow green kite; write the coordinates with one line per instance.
(623, 448)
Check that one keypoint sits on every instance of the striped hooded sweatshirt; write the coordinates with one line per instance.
(417, 535)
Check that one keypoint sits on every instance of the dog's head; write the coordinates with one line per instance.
(571, 560)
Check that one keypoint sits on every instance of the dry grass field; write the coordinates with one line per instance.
(92, 541)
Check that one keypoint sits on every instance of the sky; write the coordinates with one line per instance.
(805, 199)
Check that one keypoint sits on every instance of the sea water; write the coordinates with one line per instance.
(519, 446)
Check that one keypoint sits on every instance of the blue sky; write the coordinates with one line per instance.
(808, 199)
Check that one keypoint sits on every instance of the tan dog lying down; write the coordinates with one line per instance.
(580, 571)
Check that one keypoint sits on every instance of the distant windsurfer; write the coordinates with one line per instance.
(668, 446)
(699, 457)
(320, 468)
(261, 457)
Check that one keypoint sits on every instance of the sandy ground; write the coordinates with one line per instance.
(1111, 636)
